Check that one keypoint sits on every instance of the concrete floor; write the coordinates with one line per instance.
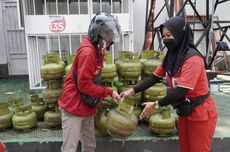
(41, 139)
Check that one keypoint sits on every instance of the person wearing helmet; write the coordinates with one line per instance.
(82, 89)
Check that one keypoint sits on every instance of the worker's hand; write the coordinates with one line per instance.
(150, 107)
(127, 93)
(103, 103)
(115, 96)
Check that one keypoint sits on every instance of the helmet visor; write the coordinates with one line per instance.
(110, 31)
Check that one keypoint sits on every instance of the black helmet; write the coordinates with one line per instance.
(104, 25)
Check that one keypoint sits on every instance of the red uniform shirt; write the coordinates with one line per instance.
(192, 75)
(87, 68)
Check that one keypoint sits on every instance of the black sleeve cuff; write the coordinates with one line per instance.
(176, 96)
(146, 83)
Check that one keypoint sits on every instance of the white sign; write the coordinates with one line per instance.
(67, 24)
(57, 24)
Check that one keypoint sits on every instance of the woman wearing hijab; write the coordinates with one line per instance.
(184, 69)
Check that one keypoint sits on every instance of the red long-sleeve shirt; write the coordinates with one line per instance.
(192, 75)
(87, 67)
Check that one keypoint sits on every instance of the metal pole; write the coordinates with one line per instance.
(202, 36)
(182, 8)
(80, 38)
(111, 8)
(210, 34)
(70, 44)
(183, 12)
(167, 7)
(34, 8)
(207, 37)
(48, 43)
(159, 39)
(223, 32)
(171, 12)
(37, 62)
(79, 7)
(59, 45)
(122, 6)
(47, 36)
(45, 5)
(159, 13)
(100, 5)
(58, 36)
(27, 50)
(146, 21)
(217, 2)
(31, 57)
(57, 7)
(131, 16)
(90, 8)
(113, 52)
(67, 5)
(123, 41)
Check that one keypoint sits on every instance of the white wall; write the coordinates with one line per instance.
(139, 10)
(3, 55)
(139, 22)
